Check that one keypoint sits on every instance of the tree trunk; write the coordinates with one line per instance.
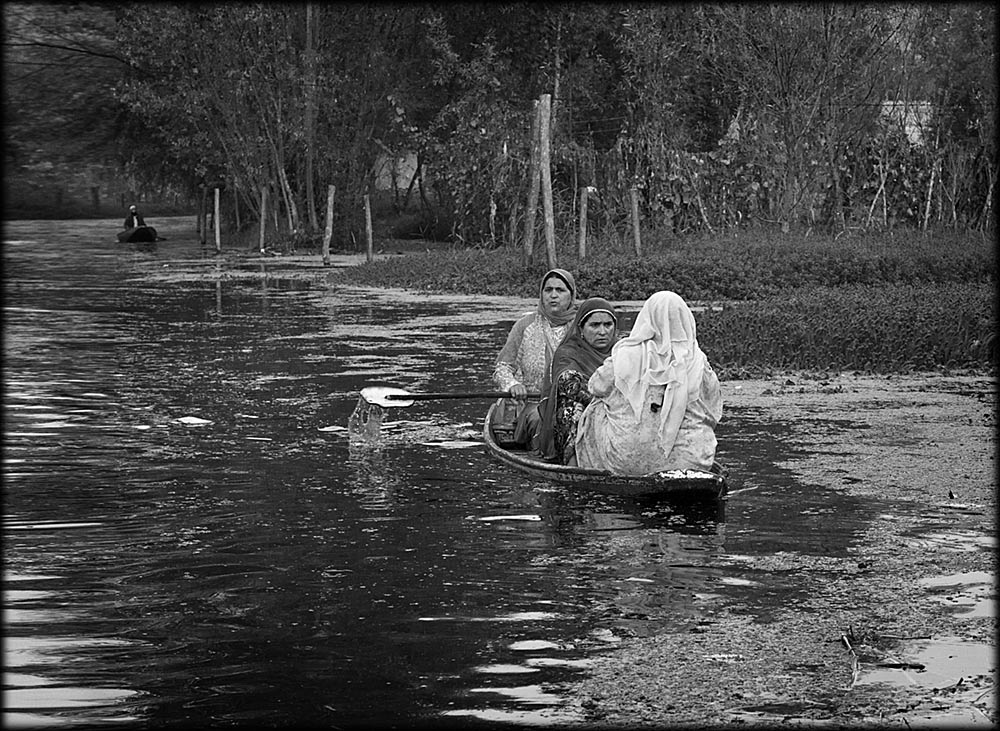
(556, 74)
(291, 210)
(409, 188)
(310, 118)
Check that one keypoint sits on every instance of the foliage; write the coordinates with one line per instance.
(62, 122)
(474, 139)
(738, 267)
(723, 116)
(61, 67)
(874, 303)
(876, 328)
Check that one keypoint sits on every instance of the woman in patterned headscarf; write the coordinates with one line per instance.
(524, 360)
(564, 394)
(656, 399)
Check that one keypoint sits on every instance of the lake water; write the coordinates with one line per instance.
(191, 537)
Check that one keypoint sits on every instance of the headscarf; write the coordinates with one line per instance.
(567, 278)
(661, 350)
(573, 353)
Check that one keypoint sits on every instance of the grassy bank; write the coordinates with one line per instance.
(879, 303)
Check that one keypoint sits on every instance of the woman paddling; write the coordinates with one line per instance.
(525, 358)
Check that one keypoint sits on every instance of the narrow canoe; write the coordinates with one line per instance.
(687, 483)
(139, 234)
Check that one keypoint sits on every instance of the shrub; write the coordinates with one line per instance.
(859, 327)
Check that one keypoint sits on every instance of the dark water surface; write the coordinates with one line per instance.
(191, 538)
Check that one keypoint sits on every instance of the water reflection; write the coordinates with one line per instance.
(49, 632)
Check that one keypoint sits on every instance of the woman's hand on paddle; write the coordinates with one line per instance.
(518, 392)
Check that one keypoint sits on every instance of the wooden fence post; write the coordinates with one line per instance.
(263, 216)
(203, 216)
(331, 191)
(582, 245)
(218, 225)
(634, 194)
(197, 222)
(534, 182)
(369, 243)
(544, 162)
(512, 223)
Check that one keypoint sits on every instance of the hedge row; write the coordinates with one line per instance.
(879, 329)
(879, 304)
(700, 270)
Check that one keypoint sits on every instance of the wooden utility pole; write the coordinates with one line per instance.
(218, 225)
(544, 162)
(331, 191)
(582, 244)
(634, 194)
(534, 182)
(369, 243)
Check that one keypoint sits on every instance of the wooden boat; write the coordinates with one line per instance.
(139, 234)
(498, 433)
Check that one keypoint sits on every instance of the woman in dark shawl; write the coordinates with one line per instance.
(564, 393)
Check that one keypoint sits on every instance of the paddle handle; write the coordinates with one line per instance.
(433, 396)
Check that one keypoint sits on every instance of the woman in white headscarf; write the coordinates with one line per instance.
(657, 399)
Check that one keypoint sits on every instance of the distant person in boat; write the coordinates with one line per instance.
(656, 399)
(564, 395)
(134, 218)
(525, 358)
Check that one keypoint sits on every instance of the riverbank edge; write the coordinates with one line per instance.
(926, 444)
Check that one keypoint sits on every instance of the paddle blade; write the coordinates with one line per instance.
(386, 396)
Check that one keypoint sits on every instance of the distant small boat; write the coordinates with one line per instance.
(136, 235)
(695, 483)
